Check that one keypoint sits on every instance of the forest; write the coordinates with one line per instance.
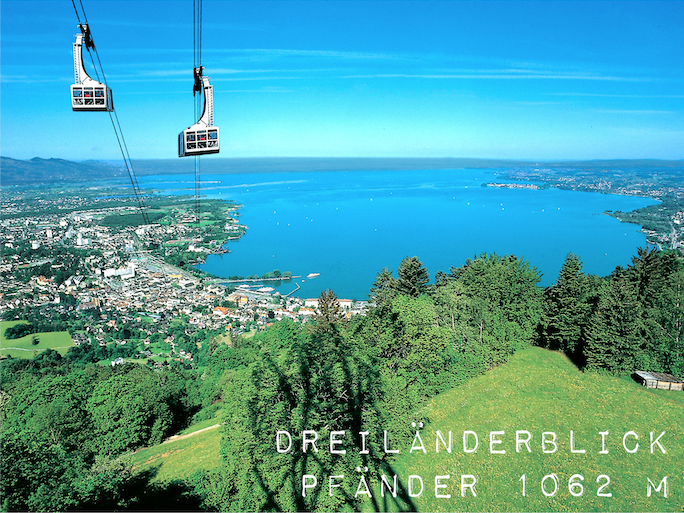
(69, 424)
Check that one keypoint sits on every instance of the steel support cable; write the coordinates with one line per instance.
(97, 74)
(129, 166)
(122, 143)
(85, 16)
(76, 10)
(197, 63)
(118, 133)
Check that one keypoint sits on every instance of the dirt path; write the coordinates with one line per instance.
(181, 437)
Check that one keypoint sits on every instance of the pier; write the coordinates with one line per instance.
(292, 292)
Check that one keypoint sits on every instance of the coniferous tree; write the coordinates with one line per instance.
(329, 312)
(413, 277)
(664, 319)
(566, 309)
(383, 289)
(615, 341)
(650, 271)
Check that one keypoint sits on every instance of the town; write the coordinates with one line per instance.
(81, 264)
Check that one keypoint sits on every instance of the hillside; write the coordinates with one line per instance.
(57, 171)
(25, 347)
(178, 457)
(38, 170)
(538, 391)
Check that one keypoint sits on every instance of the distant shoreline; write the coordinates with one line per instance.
(255, 165)
(56, 171)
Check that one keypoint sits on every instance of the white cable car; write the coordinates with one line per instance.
(201, 138)
(87, 94)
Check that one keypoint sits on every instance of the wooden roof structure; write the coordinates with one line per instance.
(659, 380)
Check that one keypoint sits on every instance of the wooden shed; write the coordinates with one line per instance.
(659, 380)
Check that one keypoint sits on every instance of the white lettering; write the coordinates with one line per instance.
(662, 485)
(385, 484)
(522, 441)
(546, 442)
(410, 486)
(306, 441)
(440, 437)
(466, 435)
(335, 442)
(363, 450)
(365, 491)
(603, 434)
(289, 442)
(439, 485)
(308, 481)
(624, 442)
(332, 485)
(468, 485)
(387, 449)
(657, 442)
(419, 440)
(572, 445)
(495, 441)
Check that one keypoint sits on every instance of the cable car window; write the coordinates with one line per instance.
(191, 137)
(77, 93)
(213, 135)
(99, 93)
(192, 146)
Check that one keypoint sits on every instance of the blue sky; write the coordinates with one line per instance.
(523, 80)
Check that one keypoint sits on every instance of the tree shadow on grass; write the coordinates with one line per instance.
(321, 356)
(140, 493)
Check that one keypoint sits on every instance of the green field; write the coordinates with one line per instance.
(224, 339)
(23, 347)
(540, 391)
(180, 458)
(536, 391)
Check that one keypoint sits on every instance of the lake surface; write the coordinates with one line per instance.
(347, 226)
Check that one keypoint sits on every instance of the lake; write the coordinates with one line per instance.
(347, 226)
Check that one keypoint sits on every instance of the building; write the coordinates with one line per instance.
(659, 380)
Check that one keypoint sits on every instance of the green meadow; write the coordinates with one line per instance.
(179, 458)
(537, 391)
(542, 391)
(23, 347)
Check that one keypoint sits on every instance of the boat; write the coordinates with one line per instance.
(265, 289)
(313, 275)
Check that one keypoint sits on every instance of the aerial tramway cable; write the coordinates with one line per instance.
(202, 138)
(197, 64)
(100, 99)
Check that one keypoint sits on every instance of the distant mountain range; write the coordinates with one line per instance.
(52, 171)
(37, 170)
(217, 165)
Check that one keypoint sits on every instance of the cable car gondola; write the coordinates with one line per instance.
(87, 94)
(202, 138)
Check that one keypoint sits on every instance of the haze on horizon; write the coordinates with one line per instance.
(485, 79)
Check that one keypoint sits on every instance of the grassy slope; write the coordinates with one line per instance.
(22, 347)
(180, 458)
(538, 391)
